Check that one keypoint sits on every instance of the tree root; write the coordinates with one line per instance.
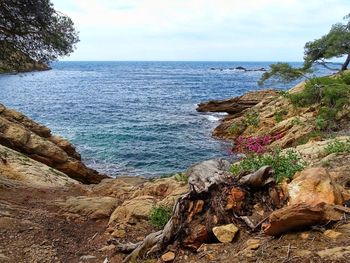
(212, 201)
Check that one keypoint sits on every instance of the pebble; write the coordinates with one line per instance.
(168, 256)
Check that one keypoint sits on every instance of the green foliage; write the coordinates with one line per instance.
(251, 119)
(298, 122)
(282, 72)
(181, 177)
(308, 137)
(337, 147)
(32, 30)
(320, 123)
(332, 93)
(279, 115)
(159, 216)
(335, 44)
(284, 164)
(234, 128)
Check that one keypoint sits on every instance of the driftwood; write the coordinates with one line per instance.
(301, 215)
(212, 201)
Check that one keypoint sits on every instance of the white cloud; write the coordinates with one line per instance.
(199, 29)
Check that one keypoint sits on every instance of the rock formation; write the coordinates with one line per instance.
(22, 134)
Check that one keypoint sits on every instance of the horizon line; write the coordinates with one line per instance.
(265, 61)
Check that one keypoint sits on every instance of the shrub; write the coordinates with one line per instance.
(308, 137)
(251, 119)
(234, 128)
(332, 93)
(159, 216)
(337, 147)
(285, 165)
(181, 177)
(279, 115)
(252, 144)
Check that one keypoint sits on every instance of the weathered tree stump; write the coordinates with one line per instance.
(215, 199)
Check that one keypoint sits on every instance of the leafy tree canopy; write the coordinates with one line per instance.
(32, 30)
(335, 44)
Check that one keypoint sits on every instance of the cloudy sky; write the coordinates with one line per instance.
(218, 30)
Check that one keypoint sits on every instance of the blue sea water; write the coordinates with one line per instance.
(132, 118)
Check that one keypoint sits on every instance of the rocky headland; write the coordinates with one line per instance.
(55, 209)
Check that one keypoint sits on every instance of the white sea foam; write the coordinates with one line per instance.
(212, 118)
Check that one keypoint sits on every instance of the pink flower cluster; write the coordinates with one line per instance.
(254, 144)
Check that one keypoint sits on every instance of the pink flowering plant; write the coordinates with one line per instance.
(255, 144)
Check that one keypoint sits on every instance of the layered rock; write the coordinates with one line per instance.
(22, 134)
(18, 168)
(237, 104)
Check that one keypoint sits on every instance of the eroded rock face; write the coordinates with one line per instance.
(20, 133)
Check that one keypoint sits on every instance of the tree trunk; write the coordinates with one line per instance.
(346, 63)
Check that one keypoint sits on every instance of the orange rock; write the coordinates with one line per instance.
(168, 256)
(314, 186)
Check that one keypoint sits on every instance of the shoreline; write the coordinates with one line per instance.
(43, 175)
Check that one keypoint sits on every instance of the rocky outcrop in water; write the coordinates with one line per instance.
(22, 134)
(237, 104)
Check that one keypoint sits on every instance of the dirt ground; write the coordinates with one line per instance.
(32, 229)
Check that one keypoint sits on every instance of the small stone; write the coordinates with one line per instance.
(304, 235)
(225, 233)
(331, 234)
(253, 244)
(168, 256)
(119, 233)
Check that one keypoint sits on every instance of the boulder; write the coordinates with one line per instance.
(91, 207)
(133, 210)
(225, 233)
(313, 186)
(302, 215)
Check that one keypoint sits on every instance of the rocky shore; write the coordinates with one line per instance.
(55, 209)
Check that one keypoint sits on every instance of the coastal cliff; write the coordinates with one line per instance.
(55, 209)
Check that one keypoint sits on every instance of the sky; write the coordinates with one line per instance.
(199, 30)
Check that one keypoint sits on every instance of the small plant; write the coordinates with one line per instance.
(297, 121)
(279, 115)
(321, 123)
(332, 93)
(159, 216)
(251, 119)
(308, 137)
(181, 177)
(337, 147)
(285, 165)
(234, 128)
(252, 144)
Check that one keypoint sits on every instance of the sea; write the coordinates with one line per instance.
(133, 118)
